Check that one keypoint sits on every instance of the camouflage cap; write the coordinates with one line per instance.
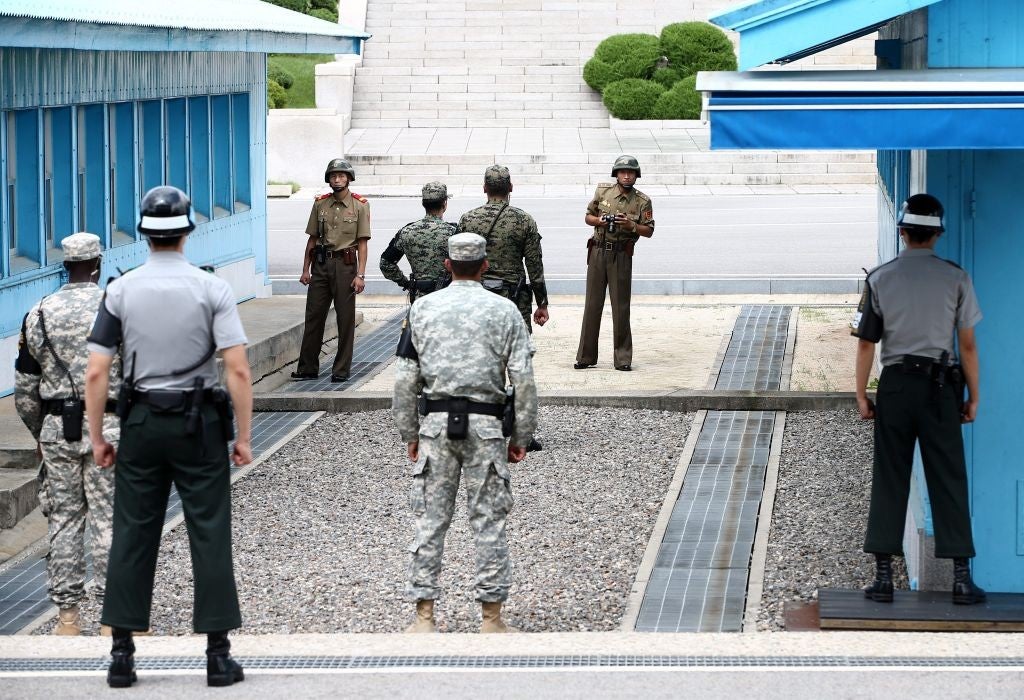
(435, 190)
(497, 175)
(467, 247)
(80, 246)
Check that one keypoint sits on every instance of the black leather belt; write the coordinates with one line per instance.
(919, 364)
(55, 407)
(337, 253)
(461, 406)
(168, 400)
(617, 247)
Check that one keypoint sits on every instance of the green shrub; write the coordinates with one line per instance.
(324, 5)
(279, 74)
(597, 74)
(324, 14)
(681, 102)
(697, 46)
(293, 5)
(632, 98)
(666, 77)
(276, 96)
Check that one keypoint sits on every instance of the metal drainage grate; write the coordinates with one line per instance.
(371, 353)
(699, 581)
(23, 587)
(327, 663)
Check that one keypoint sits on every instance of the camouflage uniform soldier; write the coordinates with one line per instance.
(512, 237)
(334, 268)
(456, 350)
(620, 214)
(49, 396)
(424, 243)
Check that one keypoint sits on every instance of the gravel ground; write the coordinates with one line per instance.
(826, 459)
(321, 529)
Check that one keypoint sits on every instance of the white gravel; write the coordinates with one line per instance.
(321, 529)
(820, 514)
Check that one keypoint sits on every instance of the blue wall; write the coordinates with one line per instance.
(985, 235)
(145, 97)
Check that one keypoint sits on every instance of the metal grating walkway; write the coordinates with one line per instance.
(699, 581)
(372, 353)
(23, 586)
(269, 663)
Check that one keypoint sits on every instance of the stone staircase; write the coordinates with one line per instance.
(503, 71)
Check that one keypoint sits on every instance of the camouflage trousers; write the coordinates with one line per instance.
(481, 459)
(78, 495)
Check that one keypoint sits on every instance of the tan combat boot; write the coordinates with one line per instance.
(69, 622)
(492, 621)
(424, 618)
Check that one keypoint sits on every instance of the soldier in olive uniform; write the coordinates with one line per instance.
(457, 348)
(424, 243)
(334, 267)
(49, 396)
(512, 237)
(170, 318)
(620, 214)
(920, 307)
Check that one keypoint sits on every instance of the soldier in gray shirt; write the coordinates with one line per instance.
(919, 306)
(169, 318)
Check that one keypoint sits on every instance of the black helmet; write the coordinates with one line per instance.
(339, 165)
(165, 213)
(626, 163)
(922, 212)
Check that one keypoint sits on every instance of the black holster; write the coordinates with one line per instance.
(71, 415)
(193, 412)
(958, 381)
(508, 418)
(320, 253)
(225, 411)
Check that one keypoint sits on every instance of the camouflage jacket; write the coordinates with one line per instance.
(467, 340)
(69, 314)
(514, 239)
(425, 244)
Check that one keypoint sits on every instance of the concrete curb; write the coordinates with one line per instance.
(684, 400)
(650, 558)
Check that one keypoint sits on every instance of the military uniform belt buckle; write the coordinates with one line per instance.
(608, 246)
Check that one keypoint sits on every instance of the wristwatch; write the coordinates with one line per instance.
(362, 277)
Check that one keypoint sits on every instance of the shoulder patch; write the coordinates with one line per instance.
(641, 195)
(359, 198)
(606, 185)
(323, 196)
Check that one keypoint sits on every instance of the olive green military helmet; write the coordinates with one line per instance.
(339, 165)
(626, 163)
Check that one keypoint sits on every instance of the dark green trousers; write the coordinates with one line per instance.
(611, 271)
(909, 410)
(330, 282)
(154, 453)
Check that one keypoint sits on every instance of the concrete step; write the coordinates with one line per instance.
(18, 495)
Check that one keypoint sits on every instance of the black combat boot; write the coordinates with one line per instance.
(964, 590)
(121, 672)
(221, 669)
(880, 590)
(534, 446)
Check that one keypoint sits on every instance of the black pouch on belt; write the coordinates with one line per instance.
(71, 413)
(225, 411)
(458, 419)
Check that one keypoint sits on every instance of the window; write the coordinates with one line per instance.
(151, 144)
(92, 167)
(220, 120)
(58, 181)
(123, 194)
(176, 144)
(24, 203)
(240, 151)
(199, 156)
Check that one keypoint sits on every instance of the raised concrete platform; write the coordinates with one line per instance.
(17, 495)
(920, 611)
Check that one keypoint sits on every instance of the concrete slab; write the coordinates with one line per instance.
(17, 495)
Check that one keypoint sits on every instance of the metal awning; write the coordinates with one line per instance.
(779, 31)
(870, 110)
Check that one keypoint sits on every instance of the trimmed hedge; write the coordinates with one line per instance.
(279, 74)
(276, 96)
(697, 46)
(324, 14)
(681, 102)
(632, 98)
(622, 56)
(666, 77)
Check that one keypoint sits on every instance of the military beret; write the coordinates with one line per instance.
(467, 247)
(80, 246)
(497, 175)
(435, 190)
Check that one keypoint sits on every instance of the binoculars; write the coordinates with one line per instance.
(609, 221)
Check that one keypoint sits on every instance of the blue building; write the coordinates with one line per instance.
(101, 101)
(945, 113)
